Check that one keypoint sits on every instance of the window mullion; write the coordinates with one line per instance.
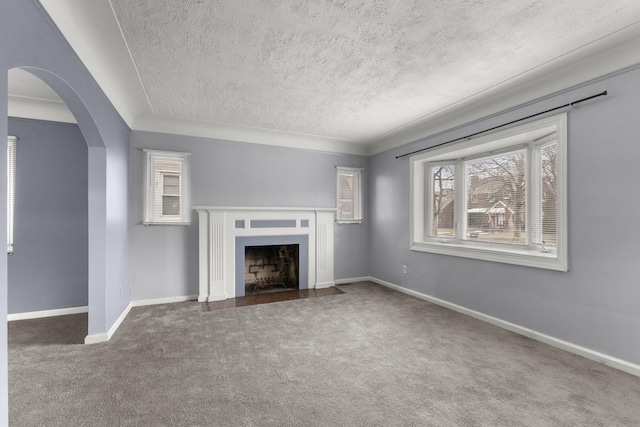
(425, 227)
(460, 191)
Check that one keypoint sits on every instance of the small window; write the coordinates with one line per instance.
(167, 178)
(349, 195)
(11, 189)
(498, 198)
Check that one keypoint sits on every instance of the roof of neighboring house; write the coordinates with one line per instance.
(493, 210)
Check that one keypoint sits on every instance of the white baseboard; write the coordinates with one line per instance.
(155, 301)
(622, 365)
(104, 337)
(353, 280)
(46, 313)
(96, 338)
(325, 285)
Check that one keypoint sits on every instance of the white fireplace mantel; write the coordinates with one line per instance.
(219, 226)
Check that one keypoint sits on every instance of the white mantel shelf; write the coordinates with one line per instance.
(219, 226)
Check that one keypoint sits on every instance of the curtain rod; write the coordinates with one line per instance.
(502, 125)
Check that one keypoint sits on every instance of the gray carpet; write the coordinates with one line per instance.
(369, 357)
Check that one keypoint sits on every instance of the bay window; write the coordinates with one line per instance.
(499, 198)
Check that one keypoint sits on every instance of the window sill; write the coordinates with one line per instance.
(512, 255)
(349, 221)
(166, 223)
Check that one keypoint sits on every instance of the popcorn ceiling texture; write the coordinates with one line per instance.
(345, 69)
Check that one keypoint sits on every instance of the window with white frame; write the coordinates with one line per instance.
(167, 187)
(11, 189)
(500, 198)
(349, 195)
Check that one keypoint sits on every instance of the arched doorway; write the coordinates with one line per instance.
(95, 198)
(48, 266)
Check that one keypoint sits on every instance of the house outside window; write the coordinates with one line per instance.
(499, 198)
(349, 195)
(167, 188)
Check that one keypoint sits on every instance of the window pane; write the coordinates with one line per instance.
(346, 196)
(548, 175)
(171, 185)
(442, 178)
(496, 199)
(11, 188)
(170, 205)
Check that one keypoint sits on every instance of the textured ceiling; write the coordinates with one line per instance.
(344, 69)
(334, 74)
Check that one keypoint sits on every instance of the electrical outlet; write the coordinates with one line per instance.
(404, 269)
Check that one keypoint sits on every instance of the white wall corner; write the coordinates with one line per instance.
(104, 337)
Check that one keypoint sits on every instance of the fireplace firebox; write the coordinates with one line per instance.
(271, 268)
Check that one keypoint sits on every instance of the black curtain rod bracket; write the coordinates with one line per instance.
(468, 137)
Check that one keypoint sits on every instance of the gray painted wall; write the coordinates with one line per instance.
(31, 40)
(597, 303)
(48, 269)
(224, 173)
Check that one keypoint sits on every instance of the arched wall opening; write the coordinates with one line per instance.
(95, 199)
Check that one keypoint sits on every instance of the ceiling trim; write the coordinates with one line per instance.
(39, 109)
(247, 134)
(93, 32)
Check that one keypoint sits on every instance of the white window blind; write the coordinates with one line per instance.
(167, 200)
(11, 189)
(544, 209)
(349, 195)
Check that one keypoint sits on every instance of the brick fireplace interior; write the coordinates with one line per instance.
(271, 268)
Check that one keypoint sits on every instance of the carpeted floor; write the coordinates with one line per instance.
(368, 357)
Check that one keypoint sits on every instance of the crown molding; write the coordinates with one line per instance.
(615, 52)
(92, 30)
(39, 109)
(247, 134)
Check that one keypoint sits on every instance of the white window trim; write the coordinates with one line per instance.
(357, 202)
(149, 184)
(508, 140)
(11, 190)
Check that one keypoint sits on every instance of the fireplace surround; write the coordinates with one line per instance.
(225, 231)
